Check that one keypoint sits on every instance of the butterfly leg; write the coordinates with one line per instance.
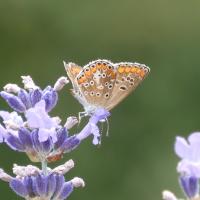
(81, 115)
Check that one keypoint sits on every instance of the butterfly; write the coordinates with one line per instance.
(103, 84)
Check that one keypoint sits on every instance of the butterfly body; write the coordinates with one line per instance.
(103, 84)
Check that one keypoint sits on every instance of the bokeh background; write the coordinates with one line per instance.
(137, 160)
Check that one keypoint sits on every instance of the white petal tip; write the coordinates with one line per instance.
(60, 83)
(11, 88)
(69, 164)
(71, 122)
(28, 83)
(167, 195)
(78, 182)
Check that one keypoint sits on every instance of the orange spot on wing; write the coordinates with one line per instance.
(94, 69)
(133, 69)
(138, 71)
(121, 69)
(99, 66)
(104, 67)
(109, 71)
(142, 73)
(127, 69)
(75, 70)
(82, 80)
(113, 75)
(88, 73)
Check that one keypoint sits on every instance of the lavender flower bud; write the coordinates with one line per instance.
(29, 83)
(25, 98)
(60, 83)
(78, 182)
(11, 88)
(167, 195)
(4, 176)
(190, 186)
(13, 101)
(50, 97)
(71, 122)
(63, 169)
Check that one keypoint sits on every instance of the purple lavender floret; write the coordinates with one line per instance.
(190, 185)
(189, 152)
(189, 165)
(13, 101)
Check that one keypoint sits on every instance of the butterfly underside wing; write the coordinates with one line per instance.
(104, 84)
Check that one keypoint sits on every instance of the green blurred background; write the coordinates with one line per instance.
(137, 160)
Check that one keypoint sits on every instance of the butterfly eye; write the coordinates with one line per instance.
(109, 67)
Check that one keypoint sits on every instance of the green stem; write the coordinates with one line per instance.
(44, 167)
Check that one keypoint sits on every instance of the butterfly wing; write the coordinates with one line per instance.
(96, 82)
(73, 70)
(129, 76)
(104, 84)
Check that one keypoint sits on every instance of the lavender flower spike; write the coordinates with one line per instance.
(30, 183)
(189, 165)
(189, 152)
(31, 129)
(190, 186)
